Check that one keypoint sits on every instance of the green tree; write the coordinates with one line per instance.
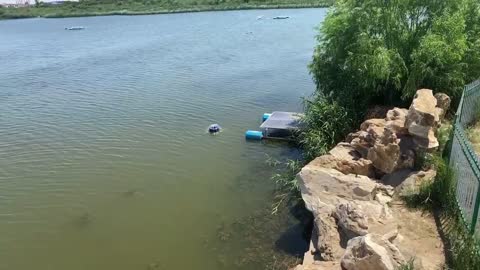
(381, 51)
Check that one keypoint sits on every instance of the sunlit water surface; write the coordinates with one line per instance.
(105, 162)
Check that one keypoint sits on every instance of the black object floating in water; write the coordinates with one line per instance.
(214, 128)
(75, 28)
(281, 17)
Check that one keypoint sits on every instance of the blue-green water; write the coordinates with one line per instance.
(104, 158)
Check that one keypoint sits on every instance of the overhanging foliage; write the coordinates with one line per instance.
(379, 51)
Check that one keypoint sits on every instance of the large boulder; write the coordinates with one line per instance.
(408, 153)
(324, 191)
(324, 188)
(344, 151)
(351, 220)
(325, 237)
(374, 126)
(361, 141)
(443, 103)
(409, 182)
(395, 120)
(346, 159)
(385, 142)
(386, 152)
(371, 252)
(423, 118)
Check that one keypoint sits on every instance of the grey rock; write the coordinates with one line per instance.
(351, 219)
(371, 252)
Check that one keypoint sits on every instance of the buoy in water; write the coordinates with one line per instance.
(253, 135)
(214, 128)
(266, 116)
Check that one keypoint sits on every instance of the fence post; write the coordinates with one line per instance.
(459, 113)
(475, 212)
(449, 147)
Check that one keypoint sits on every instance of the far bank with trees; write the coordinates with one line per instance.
(142, 7)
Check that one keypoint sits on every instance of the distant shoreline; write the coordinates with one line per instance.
(9, 16)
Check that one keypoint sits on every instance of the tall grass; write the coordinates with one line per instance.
(327, 123)
(286, 185)
(410, 265)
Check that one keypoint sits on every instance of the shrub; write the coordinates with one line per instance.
(375, 51)
(286, 185)
(326, 124)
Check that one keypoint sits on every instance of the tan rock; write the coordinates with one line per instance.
(389, 148)
(360, 167)
(379, 143)
(414, 181)
(430, 142)
(371, 252)
(323, 191)
(325, 237)
(423, 118)
(382, 198)
(345, 159)
(443, 105)
(344, 151)
(395, 120)
(345, 205)
(374, 126)
(320, 265)
(361, 141)
(386, 152)
(374, 122)
(407, 158)
(443, 101)
(309, 256)
(382, 141)
(396, 114)
(384, 157)
(440, 113)
(424, 103)
(351, 219)
(325, 188)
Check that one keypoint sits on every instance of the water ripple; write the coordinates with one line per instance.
(122, 108)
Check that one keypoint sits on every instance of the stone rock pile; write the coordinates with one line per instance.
(351, 189)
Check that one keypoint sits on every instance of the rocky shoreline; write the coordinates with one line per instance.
(354, 193)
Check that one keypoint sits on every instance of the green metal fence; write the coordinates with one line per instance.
(464, 160)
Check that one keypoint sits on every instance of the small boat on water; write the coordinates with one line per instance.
(281, 17)
(75, 28)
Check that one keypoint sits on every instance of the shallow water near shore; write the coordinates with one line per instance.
(105, 162)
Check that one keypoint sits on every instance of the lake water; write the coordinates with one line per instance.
(105, 162)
